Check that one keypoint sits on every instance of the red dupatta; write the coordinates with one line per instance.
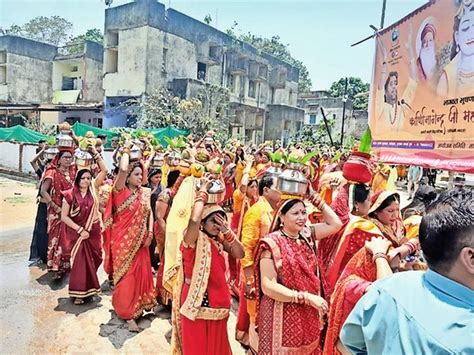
(125, 226)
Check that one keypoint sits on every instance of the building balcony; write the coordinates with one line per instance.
(65, 97)
(258, 71)
(278, 77)
(237, 63)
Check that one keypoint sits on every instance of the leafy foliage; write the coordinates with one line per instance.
(197, 115)
(54, 30)
(357, 91)
(76, 44)
(276, 48)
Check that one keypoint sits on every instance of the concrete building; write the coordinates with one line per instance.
(149, 48)
(50, 83)
(355, 122)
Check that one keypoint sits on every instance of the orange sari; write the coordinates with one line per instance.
(358, 274)
(126, 226)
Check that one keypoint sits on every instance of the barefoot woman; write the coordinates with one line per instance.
(129, 225)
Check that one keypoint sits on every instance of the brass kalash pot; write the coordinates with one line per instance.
(292, 181)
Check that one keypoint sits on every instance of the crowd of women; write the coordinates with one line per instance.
(191, 228)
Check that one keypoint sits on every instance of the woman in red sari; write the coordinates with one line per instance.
(366, 266)
(129, 227)
(81, 233)
(289, 308)
(201, 301)
(58, 176)
(352, 201)
(384, 220)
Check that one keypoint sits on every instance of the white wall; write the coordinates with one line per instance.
(10, 157)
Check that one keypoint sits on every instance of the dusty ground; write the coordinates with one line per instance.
(36, 314)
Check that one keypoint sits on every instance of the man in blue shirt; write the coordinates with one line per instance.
(428, 312)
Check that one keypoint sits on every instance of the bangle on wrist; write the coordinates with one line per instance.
(379, 255)
(80, 230)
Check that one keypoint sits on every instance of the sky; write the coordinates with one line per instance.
(318, 32)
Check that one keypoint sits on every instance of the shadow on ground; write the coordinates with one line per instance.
(47, 279)
(66, 305)
(116, 329)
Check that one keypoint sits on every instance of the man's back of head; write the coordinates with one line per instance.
(447, 236)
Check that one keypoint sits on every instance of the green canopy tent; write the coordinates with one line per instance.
(20, 134)
(80, 129)
(170, 132)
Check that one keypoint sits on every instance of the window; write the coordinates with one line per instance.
(69, 83)
(272, 93)
(252, 89)
(312, 119)
(3, 75)
(201, 71)
(74, 68)
(290, 94)
(165, 59)
(231, 82)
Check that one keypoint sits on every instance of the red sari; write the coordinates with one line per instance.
(201, 302)
(358, 274)
(327, 247)
(126, 226)
(57, 262)
(86, 254)
(357, 232)
(285, 327)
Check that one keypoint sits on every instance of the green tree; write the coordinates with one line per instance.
(198, 114)
(93, 34)
(276, 48)
(208, 19)
(54, 30)
(357, 91)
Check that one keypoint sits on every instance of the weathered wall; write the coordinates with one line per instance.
(130, 78)
(29, 79)
(92, 90)
(281, 121)
(63, 68)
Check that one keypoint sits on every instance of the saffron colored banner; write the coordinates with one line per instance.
(422, 95)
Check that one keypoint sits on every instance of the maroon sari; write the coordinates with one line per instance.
(85, 254)
(59, 182)
(126, 226)
(285, 327)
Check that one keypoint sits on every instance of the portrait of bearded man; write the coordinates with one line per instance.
(426, 63)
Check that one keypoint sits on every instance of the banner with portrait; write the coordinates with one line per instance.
(422, 95)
